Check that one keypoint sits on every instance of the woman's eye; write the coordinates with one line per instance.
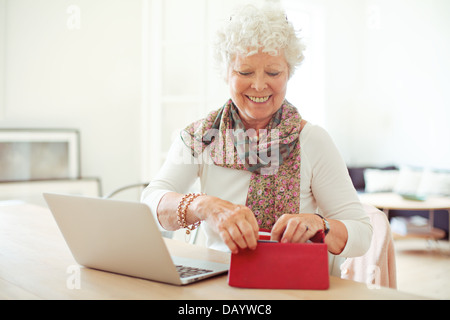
(246, 74)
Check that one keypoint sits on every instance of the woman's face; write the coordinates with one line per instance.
(258, 87)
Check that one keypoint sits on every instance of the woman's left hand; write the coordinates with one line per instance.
(296, 228)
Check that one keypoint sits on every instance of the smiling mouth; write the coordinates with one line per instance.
(259, 99)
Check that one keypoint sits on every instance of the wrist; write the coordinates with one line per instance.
(184, 212)
(195, 212)
(325, 224)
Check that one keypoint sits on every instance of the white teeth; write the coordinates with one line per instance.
(259, 100)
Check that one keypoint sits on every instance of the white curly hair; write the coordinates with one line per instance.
(251, 29)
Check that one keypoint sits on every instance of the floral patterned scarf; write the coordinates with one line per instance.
(273, 157)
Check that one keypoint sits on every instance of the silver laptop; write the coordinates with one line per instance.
(123, 237)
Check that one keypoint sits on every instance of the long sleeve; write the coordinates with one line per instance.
(331, 189)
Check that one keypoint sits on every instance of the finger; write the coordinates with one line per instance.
(240, 234)
(310, 233)
(290, 231)
(246, 223)
(302, 233)
(227, 239)
(250, 217)
(228, 230)
(248, 234)
(278, 229)
(254, 227)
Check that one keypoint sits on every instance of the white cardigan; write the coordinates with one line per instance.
(325, 187)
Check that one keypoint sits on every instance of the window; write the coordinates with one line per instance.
(306, 89)
(180, 84)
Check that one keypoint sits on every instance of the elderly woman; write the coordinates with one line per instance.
(260, 165)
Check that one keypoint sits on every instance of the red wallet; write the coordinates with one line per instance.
(274, 265)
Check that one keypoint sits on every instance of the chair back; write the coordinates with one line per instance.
(377, 268)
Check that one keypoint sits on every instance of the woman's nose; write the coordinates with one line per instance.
(259, 83)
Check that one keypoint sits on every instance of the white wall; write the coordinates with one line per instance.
(59, 76)
(376, 77)
(387, 81)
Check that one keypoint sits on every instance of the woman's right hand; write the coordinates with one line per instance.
(235, 224)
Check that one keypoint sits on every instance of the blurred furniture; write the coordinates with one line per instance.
(407, 193)
(392, 201)
(39, 154)
(39, 160)
(31, 191)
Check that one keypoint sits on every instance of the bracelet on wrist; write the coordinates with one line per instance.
(182, 209)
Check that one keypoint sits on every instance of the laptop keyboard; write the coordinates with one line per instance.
(186, 271)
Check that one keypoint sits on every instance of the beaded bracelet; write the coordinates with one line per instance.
(181, 212)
